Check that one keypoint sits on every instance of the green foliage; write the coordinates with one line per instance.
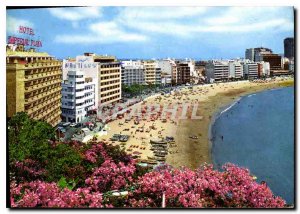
(28, 138)
(136, 89)
(60, 159)
(63, 183)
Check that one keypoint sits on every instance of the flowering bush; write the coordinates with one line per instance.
(111, 176)
(42, 194)
(204, 187)
(27, 170)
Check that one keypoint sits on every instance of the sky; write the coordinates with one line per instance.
(155, 32)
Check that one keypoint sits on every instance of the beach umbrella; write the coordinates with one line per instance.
(136, 153)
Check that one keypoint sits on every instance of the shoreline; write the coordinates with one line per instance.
(187, 151)
(219, 102)
(219, 112)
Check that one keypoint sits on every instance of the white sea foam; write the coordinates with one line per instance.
(251, 95)
(229, 107)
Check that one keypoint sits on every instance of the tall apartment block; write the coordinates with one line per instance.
(289, 48)
(133, 72)
(167, 66)
(33, 84)
(150, 71)
(183, 72)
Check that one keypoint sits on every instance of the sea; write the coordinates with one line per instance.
(257, 132)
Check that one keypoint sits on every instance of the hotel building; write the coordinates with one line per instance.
(33, 84)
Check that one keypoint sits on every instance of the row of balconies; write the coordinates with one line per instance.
(110, 90)
(103, 79)
(110, 99)
(44, 90)
(111, 82)
(30, 77)
(52, 115)
(110, 93)
(43, 104)
(43, 85)
(45, 111)
(45, 114)
(41, 81)
(55, 119)
(43, 64)
(43, 101)
(33, 97)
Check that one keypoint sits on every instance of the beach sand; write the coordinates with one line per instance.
(186, 151)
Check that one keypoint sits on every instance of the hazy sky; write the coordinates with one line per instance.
(155, 32)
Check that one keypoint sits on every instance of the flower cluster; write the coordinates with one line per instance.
(111, 176)
(42, 194)
(27, 169)
(205, 187)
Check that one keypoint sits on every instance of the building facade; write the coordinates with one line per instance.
(273, 59)
(150, 69)
(108, 78)
(216, 71)
(235, 70)
(33, 84)
(183, 72)
(250, 70)
(249, 54)
(289, 48)
(133, 72)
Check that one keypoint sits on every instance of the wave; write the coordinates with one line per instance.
(230, 106)
(251, 95)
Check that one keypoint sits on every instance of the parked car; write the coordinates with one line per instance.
(73, 125)
(66, 124)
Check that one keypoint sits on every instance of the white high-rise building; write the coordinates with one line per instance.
(235, 69)
(78, 93)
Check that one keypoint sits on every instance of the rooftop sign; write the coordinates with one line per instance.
(23, 30)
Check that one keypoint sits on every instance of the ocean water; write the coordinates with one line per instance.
(258, 133)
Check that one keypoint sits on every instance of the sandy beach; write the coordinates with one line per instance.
(192, 146)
